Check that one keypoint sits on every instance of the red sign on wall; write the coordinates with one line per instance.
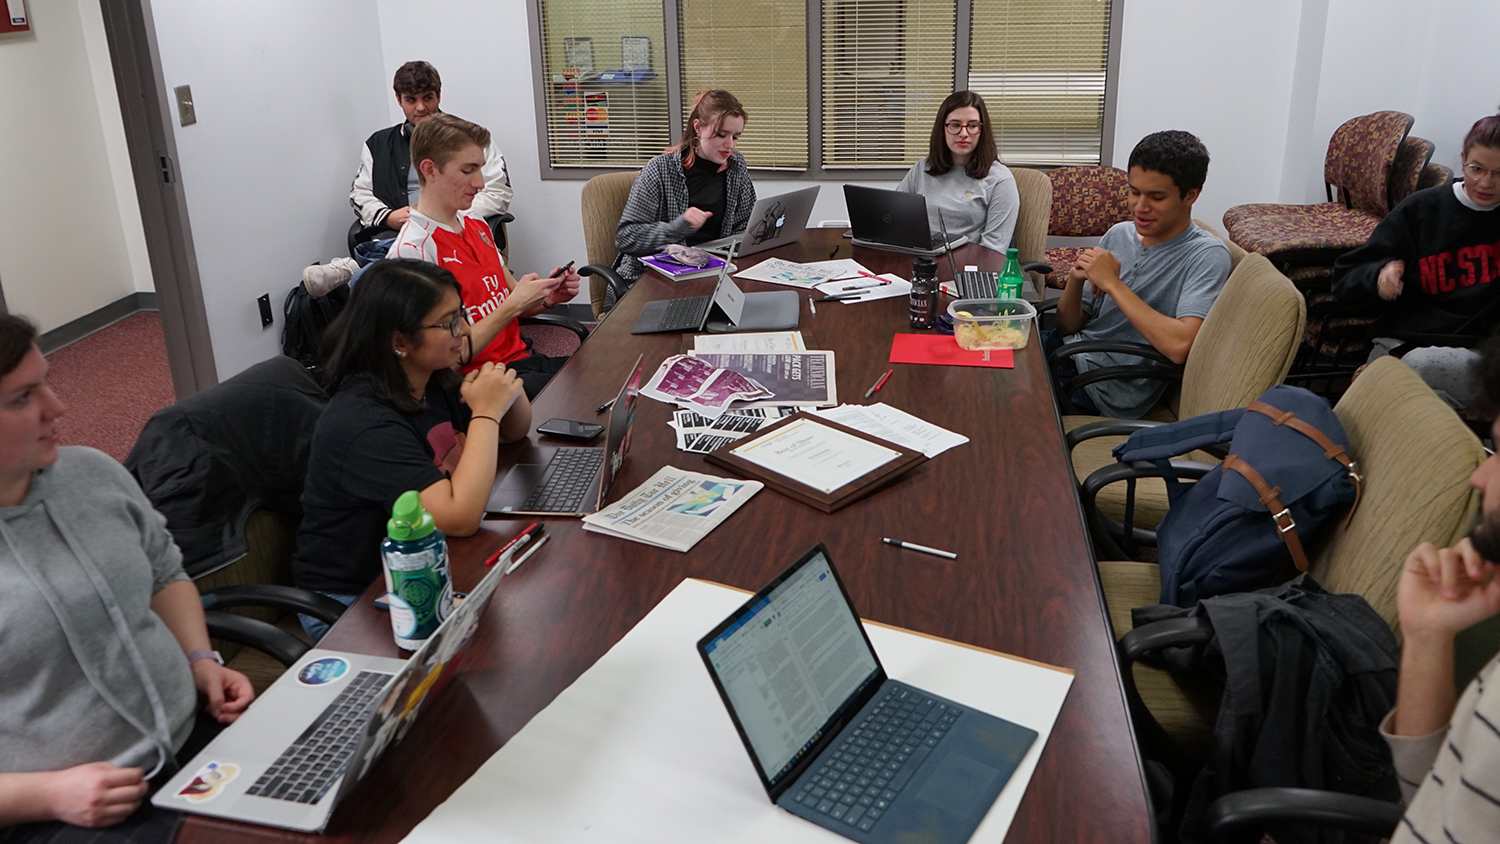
(15, 18)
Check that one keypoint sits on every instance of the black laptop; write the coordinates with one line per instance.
(894, 220)
(837, 742)
(569, 480)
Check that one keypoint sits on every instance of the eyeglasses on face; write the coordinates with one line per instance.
(1476, 172)
(455, 325)
(953, 127)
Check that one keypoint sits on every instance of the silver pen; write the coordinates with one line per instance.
(912, 546)
(524, 557)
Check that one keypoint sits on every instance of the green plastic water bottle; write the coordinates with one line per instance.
(1011, 280)
(416, 572)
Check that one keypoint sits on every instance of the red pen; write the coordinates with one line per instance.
(878, 384)
(530, 529)
(870, 275)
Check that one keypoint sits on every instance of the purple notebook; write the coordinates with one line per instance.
(663, 264)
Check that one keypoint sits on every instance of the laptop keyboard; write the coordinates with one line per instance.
(566, 481)
(311, 764)
(682, 314)
(858, 778)
(977, 284)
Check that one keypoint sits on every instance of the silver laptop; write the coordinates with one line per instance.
(895, 221)
(320, 728)
(569, 480)
(774, 221)
(778, 310)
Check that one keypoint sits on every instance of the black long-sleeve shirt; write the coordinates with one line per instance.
(1451, 286)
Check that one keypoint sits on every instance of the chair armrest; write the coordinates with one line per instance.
(610, 277)
(1105, 428)
(321, 607)
(569, 323)
(1046, 305)
(1141, 350)
(1257, 807)
(1167, 633)
(500, 219)
(1036, 267)
(268, 639)
(1106, 527)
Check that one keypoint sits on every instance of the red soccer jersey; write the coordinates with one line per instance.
(476, 263)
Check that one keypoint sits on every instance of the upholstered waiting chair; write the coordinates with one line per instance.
(1031, 224)
(1412, 158)
(603, 199)
(1416, 456)
(1244, 347)
(1358, 164)
(1086, 201)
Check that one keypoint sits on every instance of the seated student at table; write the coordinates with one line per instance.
(401, 418)
(1151, 279)
(448, 154)
(1434, 260)
(963, 177)
(105, 649)
(697, 191)
(1447, 751)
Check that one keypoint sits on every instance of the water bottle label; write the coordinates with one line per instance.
(421, 594)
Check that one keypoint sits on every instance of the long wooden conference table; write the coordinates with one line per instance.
(1023, 583)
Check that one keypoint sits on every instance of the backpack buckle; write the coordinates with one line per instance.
(1284, 521)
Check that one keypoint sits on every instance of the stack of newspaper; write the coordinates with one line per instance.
(672, 509)
(700, 434)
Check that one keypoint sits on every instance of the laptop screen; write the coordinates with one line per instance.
(790, 664)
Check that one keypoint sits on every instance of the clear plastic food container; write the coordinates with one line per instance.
(980, 324)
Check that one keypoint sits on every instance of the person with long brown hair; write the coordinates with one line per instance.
(962, 175)
(697, 191)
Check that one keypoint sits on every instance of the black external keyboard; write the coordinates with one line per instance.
(682, 314)
(311, 764)
(977, 284)
(566, 481)
(857, 779)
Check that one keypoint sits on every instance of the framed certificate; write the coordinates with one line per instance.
(817, 461)
(635, 52)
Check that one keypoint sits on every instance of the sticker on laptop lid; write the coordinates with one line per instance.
(209, 782)
(323, 671)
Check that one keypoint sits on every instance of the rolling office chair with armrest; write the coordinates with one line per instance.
(1416, 456)
(603, 200)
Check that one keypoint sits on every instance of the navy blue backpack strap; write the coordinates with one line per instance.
(1163, 442)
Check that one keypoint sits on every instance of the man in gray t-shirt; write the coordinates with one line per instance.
(1151, 279)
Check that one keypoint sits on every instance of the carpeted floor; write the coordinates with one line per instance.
(112, 381)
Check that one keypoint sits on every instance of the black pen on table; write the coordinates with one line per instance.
(839, 297)
(878, 384)
(603, 407)
(912, 546)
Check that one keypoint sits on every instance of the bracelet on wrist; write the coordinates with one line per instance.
(483, 416)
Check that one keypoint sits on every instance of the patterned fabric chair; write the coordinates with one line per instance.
(1358, 164)
(1406, 171)
(1433, 175)
(1416, 456)
(1086, 201)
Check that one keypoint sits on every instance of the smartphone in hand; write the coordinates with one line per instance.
(560, 271)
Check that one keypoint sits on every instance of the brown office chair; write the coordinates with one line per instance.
(1032, 221)
(603, 199)
(1086, 201)
(1416, 456)
(1244, 347)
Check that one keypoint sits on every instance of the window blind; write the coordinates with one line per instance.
(887, 66)
(758, 52)
(1040, 66)
(605, 77)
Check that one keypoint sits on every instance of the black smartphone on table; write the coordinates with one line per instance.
(570, 430)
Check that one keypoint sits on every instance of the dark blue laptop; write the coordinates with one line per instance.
(837, 742)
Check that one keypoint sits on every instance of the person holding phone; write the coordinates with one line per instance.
(448, 154)
(400, 418)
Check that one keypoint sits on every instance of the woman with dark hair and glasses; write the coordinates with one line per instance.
(401, 418)
(962, 176)
(1431, 267)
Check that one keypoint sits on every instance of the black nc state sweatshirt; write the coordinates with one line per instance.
(1450, 292)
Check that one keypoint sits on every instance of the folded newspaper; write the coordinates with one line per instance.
(672, 509)
(700, 386)
(700, 434)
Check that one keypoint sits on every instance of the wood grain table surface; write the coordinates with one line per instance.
(1005, 502)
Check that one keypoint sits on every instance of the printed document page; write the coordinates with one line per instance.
(816, 455)
(897, 426)
(762, 341)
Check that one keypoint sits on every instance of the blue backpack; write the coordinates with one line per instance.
(1288, 472)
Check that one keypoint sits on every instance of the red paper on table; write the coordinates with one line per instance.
(943, 350)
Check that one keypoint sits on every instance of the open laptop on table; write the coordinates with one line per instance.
(569, 480)
(834, 739)
(779, 310)
(894, 220)
(319, 729)
(774, 221)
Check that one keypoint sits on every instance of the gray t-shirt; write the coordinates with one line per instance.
(985, 210)
(1178, 278)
